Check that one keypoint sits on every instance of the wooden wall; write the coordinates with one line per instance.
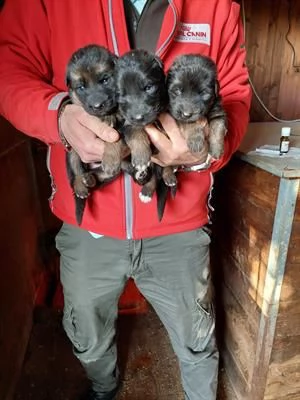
(245, 202)
(257, 367)
(21, 265)
(273, 69)
(283, 381)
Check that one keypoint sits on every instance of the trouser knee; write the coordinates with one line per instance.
(90, 329)
(195, 340)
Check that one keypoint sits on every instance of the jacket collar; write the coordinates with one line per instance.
(116, 24)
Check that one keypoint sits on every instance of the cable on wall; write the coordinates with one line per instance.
(295, 66)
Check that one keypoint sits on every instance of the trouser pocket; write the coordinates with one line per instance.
(70, 325)
(203, 325)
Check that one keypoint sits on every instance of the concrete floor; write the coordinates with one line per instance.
(148, 365)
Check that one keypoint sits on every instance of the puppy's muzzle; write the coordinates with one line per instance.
(187, 115)
(100, 107)
(140, 119)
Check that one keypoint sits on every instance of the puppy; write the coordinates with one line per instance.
(91, 83)
(142, 97)
(193, 91)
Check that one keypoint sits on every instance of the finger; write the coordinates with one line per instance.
(171, 128)
(99, 128)
(158, 161)
(87, 145)
(159, 139)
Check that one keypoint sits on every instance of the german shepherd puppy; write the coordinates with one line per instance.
(142, 97)
(91, 82)
(193, 91)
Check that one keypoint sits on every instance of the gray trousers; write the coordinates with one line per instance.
(172, 272)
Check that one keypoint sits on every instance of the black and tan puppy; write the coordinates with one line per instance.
(193, 91)
(91, 83)
(142, 97)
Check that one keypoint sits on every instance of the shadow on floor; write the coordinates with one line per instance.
(147, 362)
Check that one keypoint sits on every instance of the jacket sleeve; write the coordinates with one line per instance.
(234, 86)
(27, 98)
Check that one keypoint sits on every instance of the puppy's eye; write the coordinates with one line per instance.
(205, 95)
(104, 81)
(149, 88)
(80, 88)
(177, 91)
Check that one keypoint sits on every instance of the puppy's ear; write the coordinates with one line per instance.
(217, 88)
(68, 80)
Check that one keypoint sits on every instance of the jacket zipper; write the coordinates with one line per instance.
(165, 44)
(127, 178)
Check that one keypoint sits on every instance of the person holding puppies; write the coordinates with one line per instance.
(120, 236)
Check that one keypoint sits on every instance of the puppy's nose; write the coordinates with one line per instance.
(139, 117)
(186, 114)
(97, 106)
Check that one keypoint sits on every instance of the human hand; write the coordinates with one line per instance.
(85, 133)
(172, 149)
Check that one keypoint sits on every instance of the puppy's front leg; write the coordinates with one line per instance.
(139, 144)
(111, 160)
(217, 131)
(80, 180)
(194, 134)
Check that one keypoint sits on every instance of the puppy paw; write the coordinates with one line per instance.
(89, 180)
(216, 149)
(80, 189)
(145, 196)
(82, 193)
(195, 144)
(216, 154)
(170, 181)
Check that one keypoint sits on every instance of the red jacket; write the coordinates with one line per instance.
(36, 41)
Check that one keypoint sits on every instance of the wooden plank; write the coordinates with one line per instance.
(242, 289)
(288, 320)
(285, 348)
(235, 210)
(251, 181)
(247, 217)
(235, 376)
(250, 269)
(290, 290)
(284, 373)
(294, 253)
(275, 272)
(239, 335)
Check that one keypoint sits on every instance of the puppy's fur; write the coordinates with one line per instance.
(91, 83)
(193, 91)
(142, 97)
